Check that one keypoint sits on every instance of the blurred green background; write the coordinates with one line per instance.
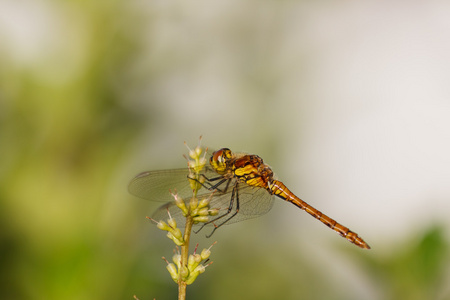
(348, 102)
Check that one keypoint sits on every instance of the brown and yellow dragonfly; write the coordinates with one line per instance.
(244, 187)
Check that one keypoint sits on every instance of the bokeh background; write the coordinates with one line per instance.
(349, 102)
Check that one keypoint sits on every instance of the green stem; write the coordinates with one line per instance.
(185, 247)
(184, 257)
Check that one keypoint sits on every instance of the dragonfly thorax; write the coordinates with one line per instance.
(253, 171)
(246, 168)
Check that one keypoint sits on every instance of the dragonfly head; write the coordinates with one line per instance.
(219, 160)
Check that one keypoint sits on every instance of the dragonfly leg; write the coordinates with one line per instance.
(230, 207)
(208, 185)
(227, 213)
(234, 196)
(216, 186)
(211, 179)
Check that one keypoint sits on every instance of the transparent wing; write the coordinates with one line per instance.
(253, 202)
(155, 185)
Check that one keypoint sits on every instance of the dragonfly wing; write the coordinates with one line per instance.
(253, 202)
(155, 185)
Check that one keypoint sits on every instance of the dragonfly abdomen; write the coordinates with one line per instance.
(279, 189)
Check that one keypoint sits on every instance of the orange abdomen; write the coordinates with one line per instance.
(278, 188)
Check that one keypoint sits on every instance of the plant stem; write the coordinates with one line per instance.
(187, 229)
(184, 257)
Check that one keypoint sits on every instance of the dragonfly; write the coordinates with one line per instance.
(241, 185)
